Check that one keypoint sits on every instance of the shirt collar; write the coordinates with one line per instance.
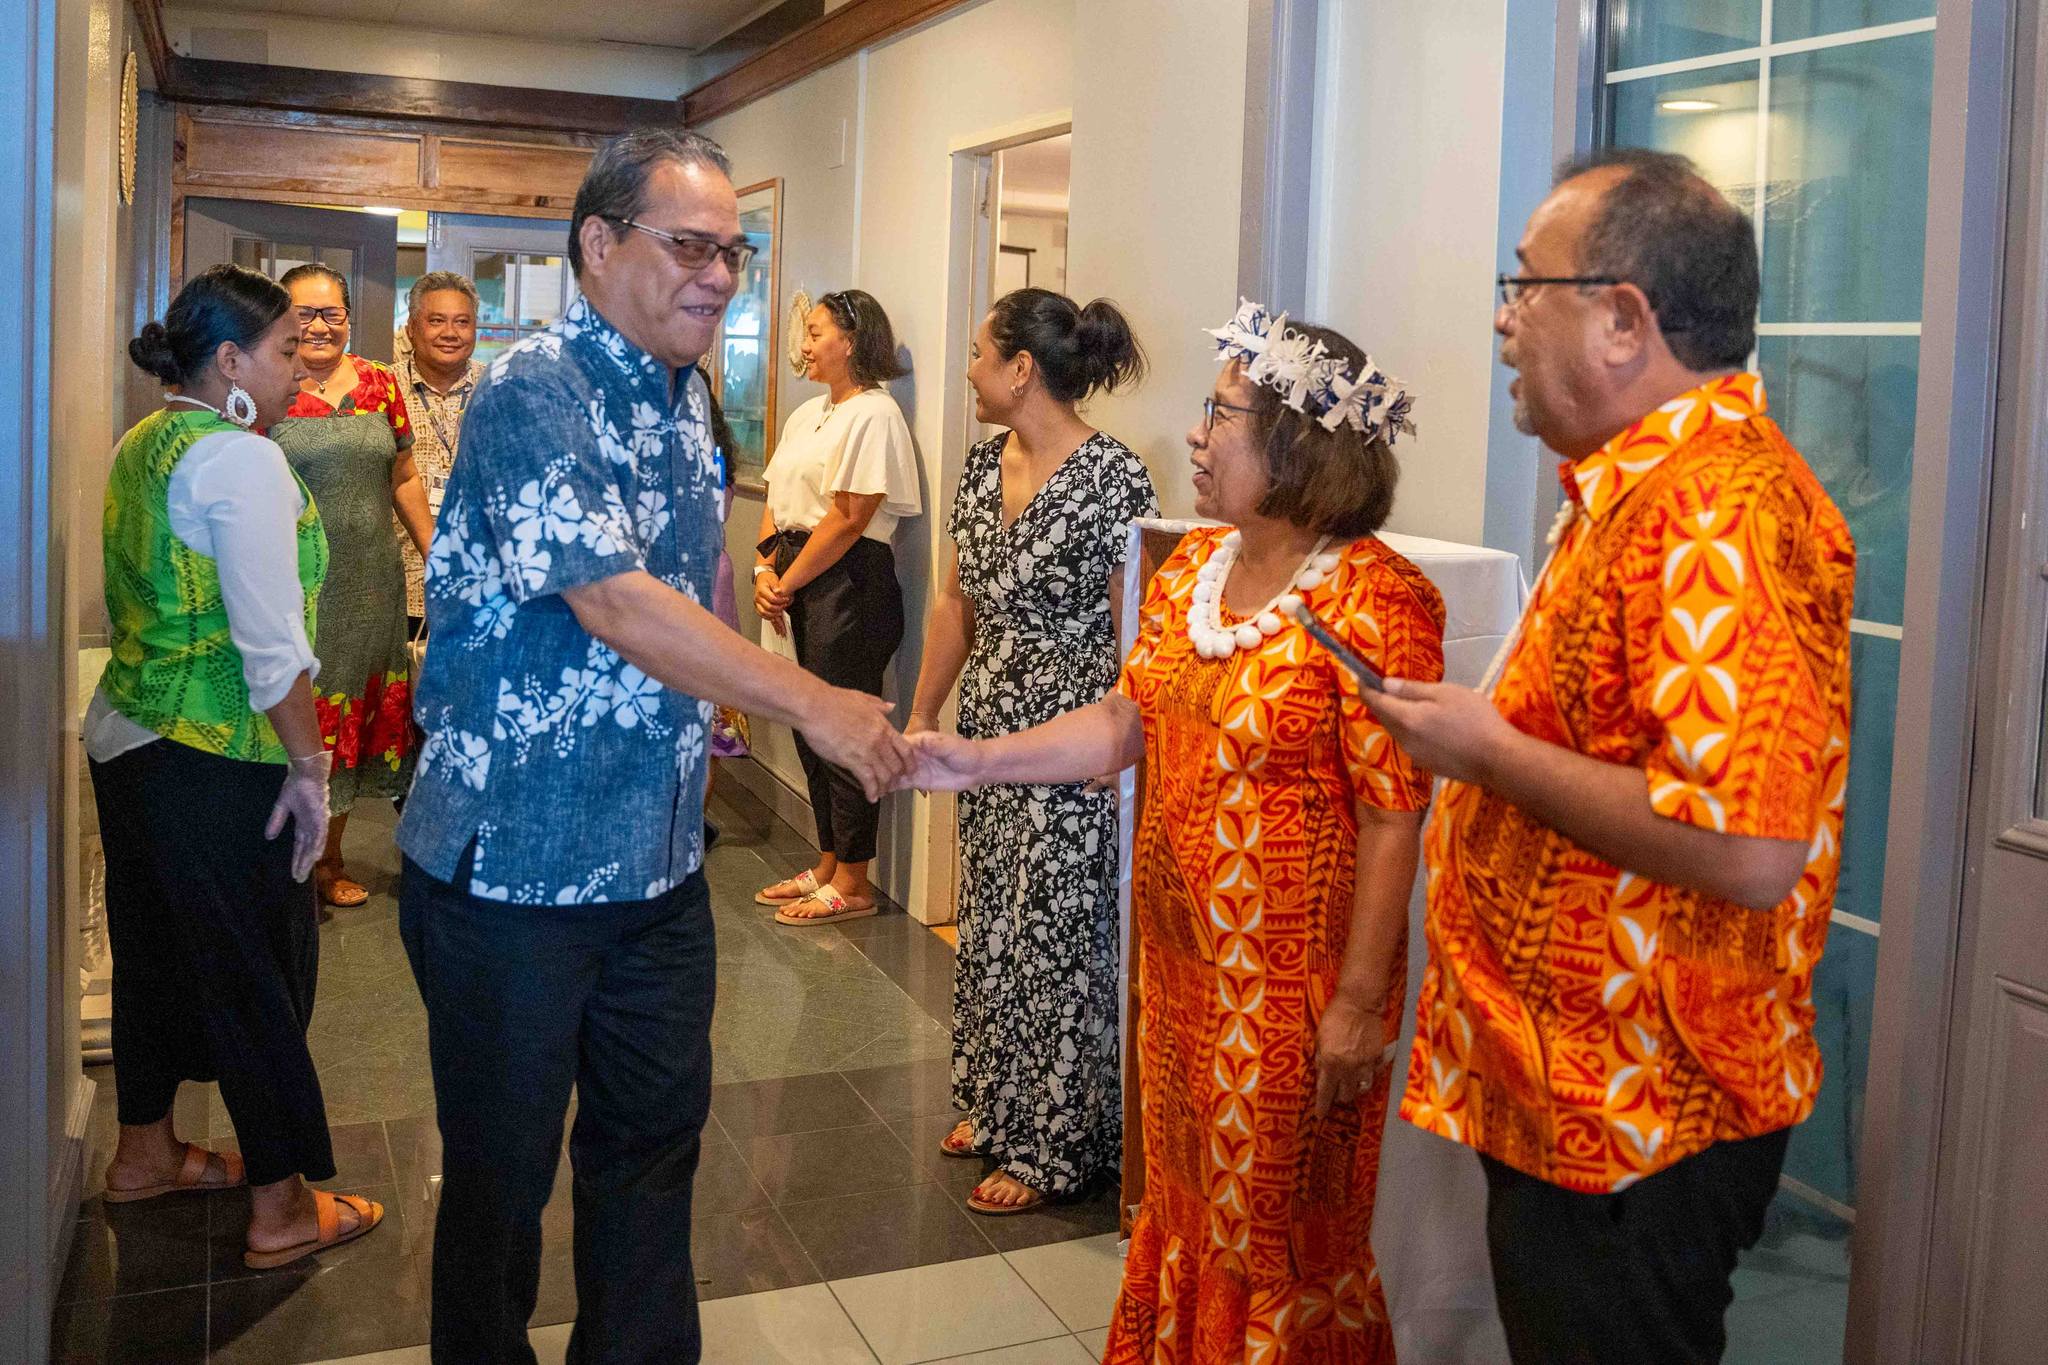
(1603, 478)
(415, 382)
(586, 326)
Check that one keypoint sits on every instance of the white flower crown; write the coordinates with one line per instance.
(1311, 380)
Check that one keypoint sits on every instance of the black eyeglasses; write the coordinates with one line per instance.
(1210, 407)
(1514, 287)
(333, 317)
(694, 253)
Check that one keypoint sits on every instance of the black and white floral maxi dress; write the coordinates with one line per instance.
(1035, 995)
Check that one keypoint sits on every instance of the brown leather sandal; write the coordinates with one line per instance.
(190, 1179)
(369, 1213)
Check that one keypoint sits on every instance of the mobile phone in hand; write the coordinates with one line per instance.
(1364, 672)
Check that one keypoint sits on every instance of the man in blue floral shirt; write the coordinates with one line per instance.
(553, 902)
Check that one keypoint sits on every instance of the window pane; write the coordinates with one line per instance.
(1644, 32)
(540, 289)
(492, 271)
(1823, 1150)
(1792, 19)
(1707, 115)
(1849, 404)
(1846, 230)
(1873, 706)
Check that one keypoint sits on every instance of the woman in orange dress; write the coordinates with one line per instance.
(1273, 865)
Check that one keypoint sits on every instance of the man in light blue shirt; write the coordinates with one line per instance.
(553, 901)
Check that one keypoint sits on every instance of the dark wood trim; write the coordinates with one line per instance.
(290, 118)
(254, 85)
(149, 17)
(815, 46)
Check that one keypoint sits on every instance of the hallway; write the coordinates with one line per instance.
(822, 1205)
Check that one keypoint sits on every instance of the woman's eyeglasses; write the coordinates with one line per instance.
(695, 253)
(333, 317)
(1210, 407)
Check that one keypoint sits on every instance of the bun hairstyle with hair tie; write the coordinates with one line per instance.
(225, 303)
(313, 270)
(1077, 350)
(857, 313)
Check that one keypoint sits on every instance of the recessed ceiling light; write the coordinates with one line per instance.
(383, 211)
(1689, 106)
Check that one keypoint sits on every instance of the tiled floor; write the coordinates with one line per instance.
(823, 1212)
(820, 1198)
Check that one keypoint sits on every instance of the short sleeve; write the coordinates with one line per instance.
(973, 479)
(397, 413)
(1127, 495)
(877, 457)
(1162, 602)
(1393, 620)
(548, 486)
(1743, 721)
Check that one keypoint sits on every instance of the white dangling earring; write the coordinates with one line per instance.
(239, 408)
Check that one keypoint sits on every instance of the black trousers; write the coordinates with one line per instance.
(1635, 1278)
(847, 623)
(216, 951)
(523, 1002)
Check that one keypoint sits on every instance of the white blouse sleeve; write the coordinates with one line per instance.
(233, 499)
(877, 457)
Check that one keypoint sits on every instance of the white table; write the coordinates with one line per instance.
(1429, 1228)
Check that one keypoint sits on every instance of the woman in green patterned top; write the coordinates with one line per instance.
(204, 745)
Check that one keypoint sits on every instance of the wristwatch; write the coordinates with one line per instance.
(760, 569)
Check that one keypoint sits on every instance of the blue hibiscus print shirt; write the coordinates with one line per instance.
(578, 777)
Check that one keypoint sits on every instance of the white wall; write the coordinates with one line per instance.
(1046, 239)
(1158, 169)
(1408, 199)
(383, 50)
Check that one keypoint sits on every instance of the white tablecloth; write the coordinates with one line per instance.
(1429, 1229)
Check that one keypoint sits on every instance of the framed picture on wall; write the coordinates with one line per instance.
(748, 351)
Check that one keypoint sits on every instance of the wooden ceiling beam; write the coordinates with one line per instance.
(254, 85)
(825, 40)
(149, 17)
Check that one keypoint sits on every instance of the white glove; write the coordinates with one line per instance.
(304, 800)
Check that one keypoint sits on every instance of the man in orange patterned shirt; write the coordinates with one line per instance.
(1632, 863)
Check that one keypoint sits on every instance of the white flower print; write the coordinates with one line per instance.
(636, 699)
(526, 563)
(468, 755)
(650, 430)
(650, 515)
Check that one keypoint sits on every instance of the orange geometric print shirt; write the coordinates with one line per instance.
(1577, 1022)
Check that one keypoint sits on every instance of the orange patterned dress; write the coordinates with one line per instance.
(1253, 1241)
(1581, 1024)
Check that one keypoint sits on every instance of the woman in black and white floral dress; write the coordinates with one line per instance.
(1039, 525)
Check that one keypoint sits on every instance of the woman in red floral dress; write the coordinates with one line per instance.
(349, 438)
(1273, 863)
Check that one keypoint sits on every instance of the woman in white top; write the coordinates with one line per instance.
(204, 745)
(841, 478)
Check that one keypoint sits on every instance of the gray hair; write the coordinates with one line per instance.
(440, 281)
(615, 186)
(1664, 229)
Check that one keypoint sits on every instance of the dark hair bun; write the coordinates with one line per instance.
(224, 303)
(1077, 350)
(151, 352)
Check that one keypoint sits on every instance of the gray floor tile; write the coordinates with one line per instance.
(799, 1167)
(124, 1249)
(865, 1234)
(362, 1156)
(321, 1311)
(1049, 1223)
(228, 1238)
(906, 1089)
(725, 1182)
(795, 1104)
(167, 1328)
(746, 1253)
(922, 1133)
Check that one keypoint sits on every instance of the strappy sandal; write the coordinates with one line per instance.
(190, 1178)
(369, 1213)
(837, 908)
(983, 1207)
(805, 883)
(961, 1148)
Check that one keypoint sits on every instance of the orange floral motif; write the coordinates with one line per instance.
(1253, 1240)
(1580, 1023)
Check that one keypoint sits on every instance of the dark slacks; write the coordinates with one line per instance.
(1635, 1278)
(847, 624)
(216, 951)
(523, 1002)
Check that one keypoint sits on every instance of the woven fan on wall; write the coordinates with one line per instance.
(799, 313)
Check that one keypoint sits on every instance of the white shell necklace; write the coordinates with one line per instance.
(1213, 639)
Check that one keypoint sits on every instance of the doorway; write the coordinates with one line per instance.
(359, 245)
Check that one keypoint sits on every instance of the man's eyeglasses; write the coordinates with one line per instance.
(333, 317)
(1513, 288)
(695, 253)
(1210, 407)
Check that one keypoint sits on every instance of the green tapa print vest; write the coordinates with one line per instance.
(175, 670)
